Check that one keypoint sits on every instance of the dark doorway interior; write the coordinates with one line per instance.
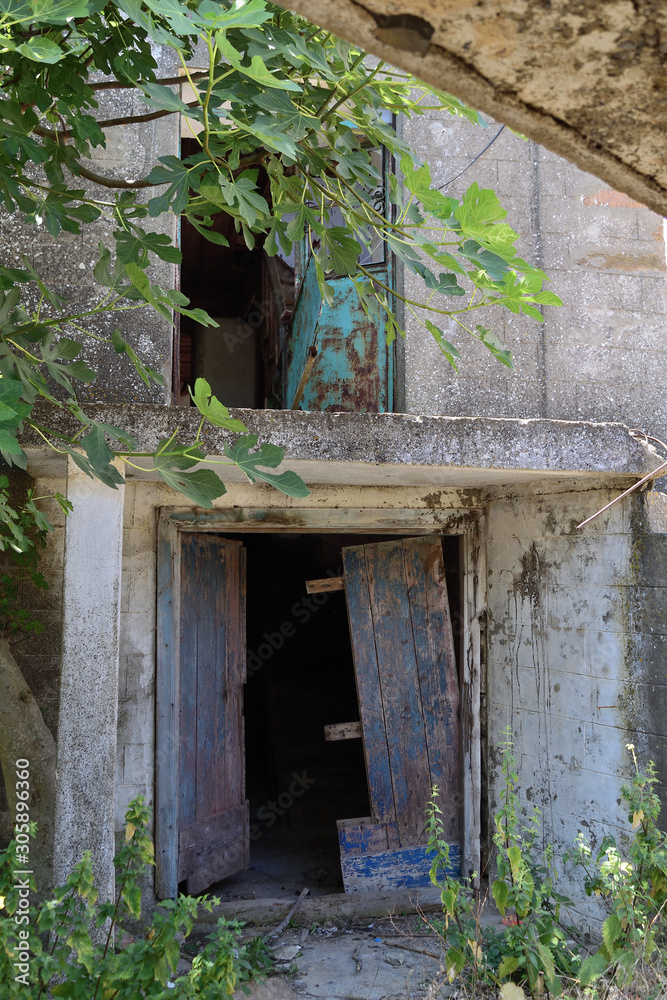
(249, 295)
(301, 678)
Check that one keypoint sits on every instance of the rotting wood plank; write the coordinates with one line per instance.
(405, 868)
(399, 685)
(343, 731)
(325, 586)
(438, 678)
(474, 608)
(187, 703)
(206, 612)
(362, 836)
(372, 520)
(213, 653)
(376, 751)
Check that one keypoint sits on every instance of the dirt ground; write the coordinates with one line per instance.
(377, 959)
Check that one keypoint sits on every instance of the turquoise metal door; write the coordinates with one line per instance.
(336, 357)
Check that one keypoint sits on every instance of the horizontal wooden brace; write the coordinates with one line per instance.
(343, 731)
(326, 586)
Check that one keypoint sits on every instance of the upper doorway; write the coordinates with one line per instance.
(272, 796)
(277, 345)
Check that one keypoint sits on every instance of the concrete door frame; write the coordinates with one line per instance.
(469, 525)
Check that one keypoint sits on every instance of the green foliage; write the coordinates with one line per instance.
(532, 951)
(70, 937)
(535, 946)
(532, 948)
(23, 533)
(632, 880)
(280, 102)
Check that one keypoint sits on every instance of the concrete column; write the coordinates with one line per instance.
(86, 754)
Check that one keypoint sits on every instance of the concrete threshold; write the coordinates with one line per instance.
(316, 909)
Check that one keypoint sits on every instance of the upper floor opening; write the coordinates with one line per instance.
(278, 344)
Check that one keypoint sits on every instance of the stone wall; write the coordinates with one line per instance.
(596, 358)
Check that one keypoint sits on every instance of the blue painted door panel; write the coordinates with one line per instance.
(407, 683)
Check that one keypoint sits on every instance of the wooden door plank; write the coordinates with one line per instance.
(362, 636)
(365, 837)
(405, 868)
(399, 682)
(211, 741)
(233, 612)
(187, 711)
(213, 654)
(438, 678)
(217, 848)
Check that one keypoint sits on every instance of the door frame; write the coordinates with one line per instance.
(468, 524)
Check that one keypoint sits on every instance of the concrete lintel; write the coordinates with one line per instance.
(394, 448)
(86, 759)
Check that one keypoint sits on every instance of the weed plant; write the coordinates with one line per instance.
(534, 953)
(65, 946)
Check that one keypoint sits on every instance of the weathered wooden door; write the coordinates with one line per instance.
(408, 691)
(212, 808)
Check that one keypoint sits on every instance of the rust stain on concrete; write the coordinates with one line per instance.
(624, 262)
(613, 199)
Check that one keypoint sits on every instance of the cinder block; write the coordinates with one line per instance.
(606, 750)
(587, 607)
(137, 634)
(137, 764)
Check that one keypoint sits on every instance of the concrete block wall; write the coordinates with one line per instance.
(66, 261)
(568, 669)
(599, 357)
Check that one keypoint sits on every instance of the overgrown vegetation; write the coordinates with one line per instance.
(285, 117)
(65, 947)
(535, 953)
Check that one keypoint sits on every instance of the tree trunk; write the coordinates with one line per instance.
(25, 736)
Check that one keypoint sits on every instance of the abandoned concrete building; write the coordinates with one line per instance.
(284, 680)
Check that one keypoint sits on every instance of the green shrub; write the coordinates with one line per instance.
(67, 942)
(632, 880)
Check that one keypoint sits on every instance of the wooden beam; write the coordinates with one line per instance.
(326, 586)
(343, 731)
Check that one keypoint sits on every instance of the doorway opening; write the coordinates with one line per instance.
(301, 678)
(251, 297)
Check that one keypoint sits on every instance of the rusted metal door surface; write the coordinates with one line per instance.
(352, 369)
(335, 356)
(212, 808)
(408, 691)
